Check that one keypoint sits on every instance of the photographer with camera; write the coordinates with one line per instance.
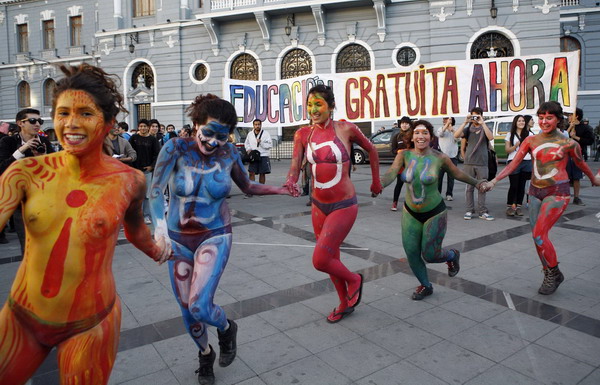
(477, 136)
(25, 144)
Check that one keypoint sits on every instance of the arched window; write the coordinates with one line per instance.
(143, 72)
(296, 63)
(244, 67)
(49, 86)
(352, 58)
(491, 45)
(24, 95)
(570, 44)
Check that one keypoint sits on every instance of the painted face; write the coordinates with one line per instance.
(79, 123)
(211, 136)
(521, 122)
(547, 122)
(143, 129)
(318, 109)
(421, 137)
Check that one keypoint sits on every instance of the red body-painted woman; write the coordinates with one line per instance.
(327, 145)
(74, 203)
(549, 192)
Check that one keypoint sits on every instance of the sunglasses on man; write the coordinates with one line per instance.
(34, 120)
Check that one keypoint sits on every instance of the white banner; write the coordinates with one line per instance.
(501, 86)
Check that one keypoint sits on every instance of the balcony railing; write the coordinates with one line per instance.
(569, 3)
(216, 5)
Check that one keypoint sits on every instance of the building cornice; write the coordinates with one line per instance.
(164, 26)
(36, 61)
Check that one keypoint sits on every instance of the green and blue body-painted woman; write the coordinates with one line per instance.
(424, 216)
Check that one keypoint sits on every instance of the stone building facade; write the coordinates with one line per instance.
(168, 51)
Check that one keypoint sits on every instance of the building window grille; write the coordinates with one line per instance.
(143, 111)
(49, 86)
(22, 38)
(144, 73)
(491, 45)
(244, 67)
(406, 56)
(76, 26)
(352, 58)
(200, 72)
(48, 28)
(296, 63)
(24, 95)
(570, 44)
(143, 8)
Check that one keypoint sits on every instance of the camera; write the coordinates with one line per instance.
(475, 117)
(41, 147)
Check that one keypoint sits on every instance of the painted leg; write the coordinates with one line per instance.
(181, 269)
(434, 231)
(20, 353)
(88, 357)
(412, 232)
(331, 230)
(543, 216)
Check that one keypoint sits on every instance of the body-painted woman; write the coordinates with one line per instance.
(549, 193)
(424, 216)
(199, 171)
(74, 203)
(327, 145)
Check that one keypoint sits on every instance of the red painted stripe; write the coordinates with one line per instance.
(56, 263)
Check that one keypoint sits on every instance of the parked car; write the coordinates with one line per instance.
(500, 126)
(238, 137)
(382, 141)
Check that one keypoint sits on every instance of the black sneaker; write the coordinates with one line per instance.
(206, 375)
(422, 292)
(552, 279)
(227, 344)
(577, 201)
(454, 265)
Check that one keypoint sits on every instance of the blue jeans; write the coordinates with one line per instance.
(450, 182)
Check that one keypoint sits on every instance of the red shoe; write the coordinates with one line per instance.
(394, 206)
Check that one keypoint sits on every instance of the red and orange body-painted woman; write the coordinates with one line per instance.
(73, 203)
(549, 192)
(327, 145)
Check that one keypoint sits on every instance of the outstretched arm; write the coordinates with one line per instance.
(136, 230)
(395, 168)
(167, 158)
(512, 166)
(457, 173)
(575, 154)
(358, 137)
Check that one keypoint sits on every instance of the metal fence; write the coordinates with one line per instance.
(282, 149)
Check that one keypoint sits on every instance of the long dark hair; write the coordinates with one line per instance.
(513, 130)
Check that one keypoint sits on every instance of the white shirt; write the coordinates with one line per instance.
(448, 144)
(511, 156)
(265, 143)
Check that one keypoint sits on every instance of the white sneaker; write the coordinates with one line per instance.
(486, 216)
(449, 198)
(147, 220)
(468, 215)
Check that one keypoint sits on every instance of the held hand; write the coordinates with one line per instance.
(164, 245)
(376, 188)
(596, 181)
(292, 189)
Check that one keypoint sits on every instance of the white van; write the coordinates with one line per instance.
(500, 126)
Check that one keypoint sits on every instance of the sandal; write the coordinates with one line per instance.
(335, 317)
(355, 298)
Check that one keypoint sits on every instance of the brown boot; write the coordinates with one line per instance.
(552, 279)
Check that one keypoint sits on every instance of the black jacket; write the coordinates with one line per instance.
(10, 144)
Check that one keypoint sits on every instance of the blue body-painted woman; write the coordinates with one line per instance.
(199, 172)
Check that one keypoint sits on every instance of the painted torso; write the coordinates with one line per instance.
(421, 173)
(550, 155)
(66, 274)
(330, 161)
(199, 187)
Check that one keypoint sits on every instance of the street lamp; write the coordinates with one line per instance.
(132, 37)
(494, 10)
(290, 23)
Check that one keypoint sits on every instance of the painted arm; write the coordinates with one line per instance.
(13, 184)
(136, 230)
(297, 158)
(457, 173)
(167, 159)
(240, 176)
(512, 166)
(358, 137)
(394, 169)
(575, 154)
